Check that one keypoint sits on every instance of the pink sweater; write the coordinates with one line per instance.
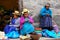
(22, 20)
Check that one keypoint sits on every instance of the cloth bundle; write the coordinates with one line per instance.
(50, 34)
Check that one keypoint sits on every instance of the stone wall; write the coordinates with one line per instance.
(35, 5)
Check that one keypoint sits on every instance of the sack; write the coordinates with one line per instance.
(13, 34)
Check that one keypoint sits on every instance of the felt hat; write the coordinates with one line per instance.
(25, 10)
(16, 13)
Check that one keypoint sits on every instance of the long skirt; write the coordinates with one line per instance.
(8, 29)
(27, 28)
(12, 34)
(46, 22)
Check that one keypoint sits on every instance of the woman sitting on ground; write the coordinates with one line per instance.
(26, 22)
(14, 23)
(46, 17)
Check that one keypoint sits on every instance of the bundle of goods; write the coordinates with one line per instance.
(50, 34)
(2, 35)
(24, 37)
(38, 30)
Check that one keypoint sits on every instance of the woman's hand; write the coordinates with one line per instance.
(26, 19)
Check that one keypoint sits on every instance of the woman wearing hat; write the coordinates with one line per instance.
(46, 17)
(14, 23)
(26, 22)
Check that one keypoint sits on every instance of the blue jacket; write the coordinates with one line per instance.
(44, 11)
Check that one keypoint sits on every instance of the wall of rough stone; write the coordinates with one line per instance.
(35, 5)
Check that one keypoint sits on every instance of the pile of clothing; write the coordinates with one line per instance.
(24, 37)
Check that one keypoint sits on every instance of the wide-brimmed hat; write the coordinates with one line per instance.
(16, 13)
(25, 10)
